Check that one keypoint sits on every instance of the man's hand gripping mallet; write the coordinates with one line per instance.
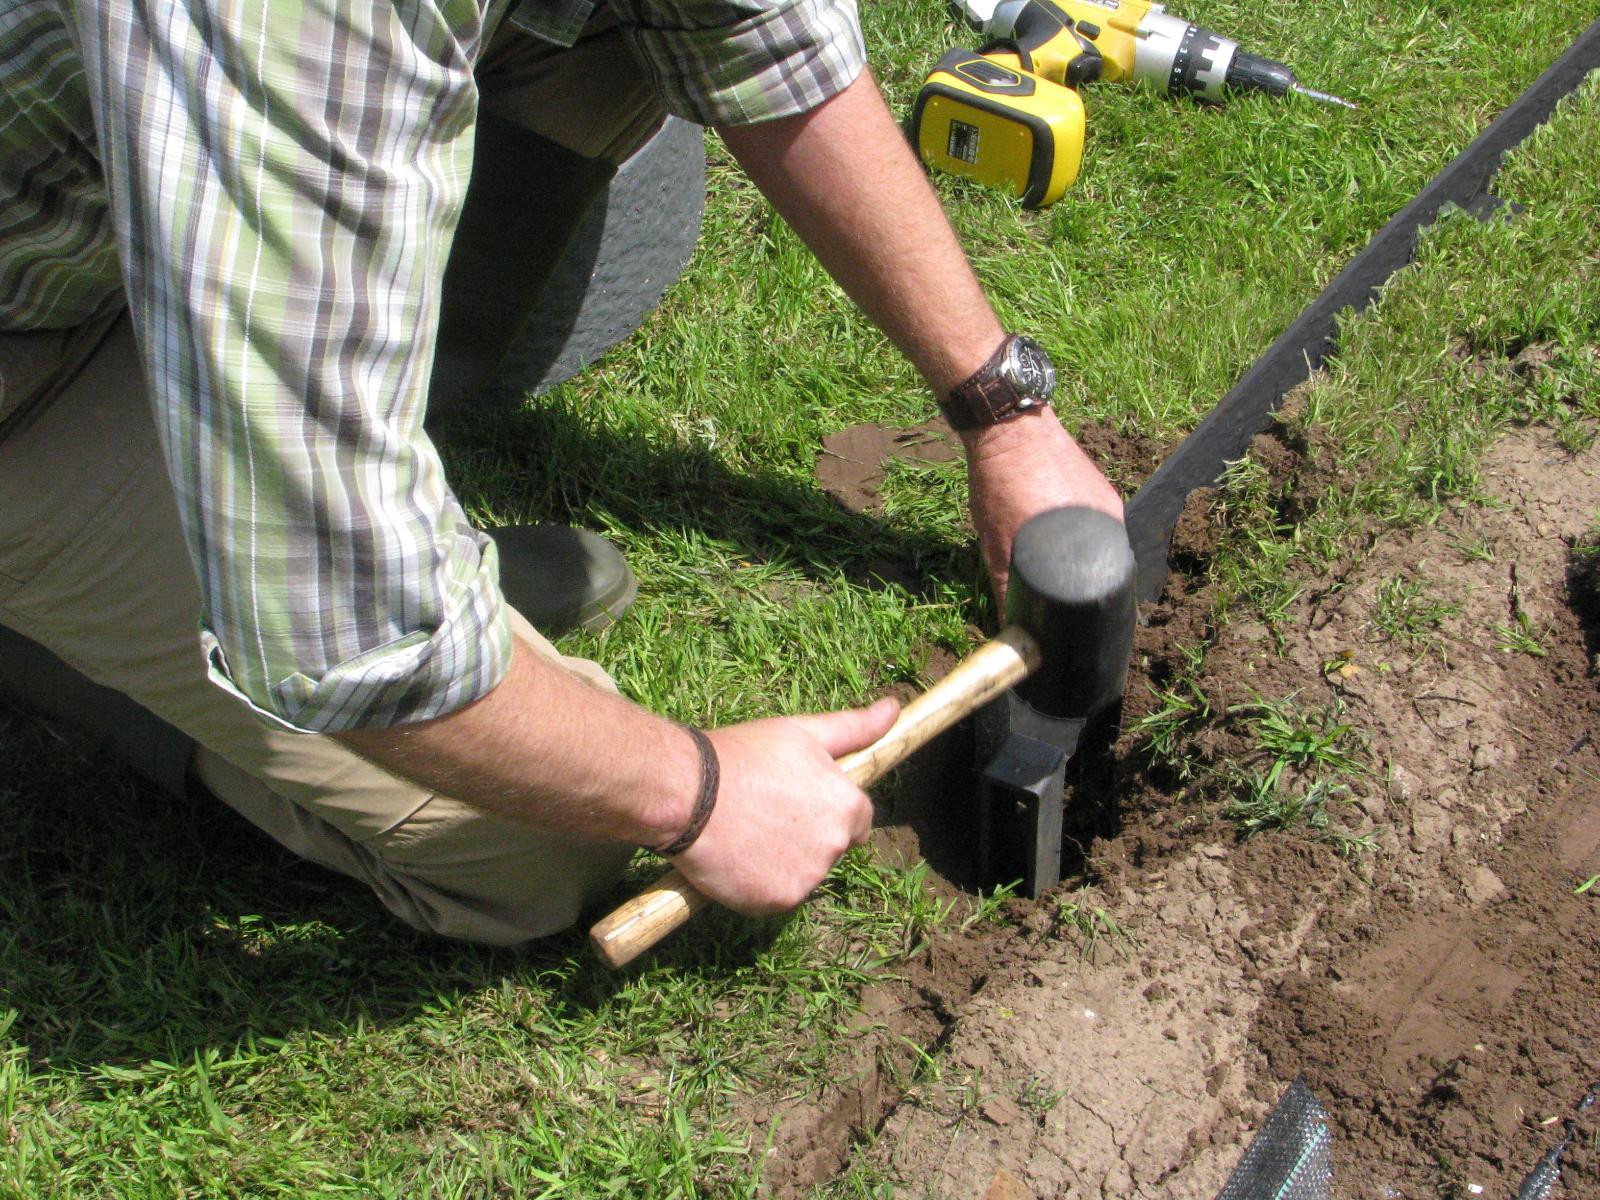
(1065, 647)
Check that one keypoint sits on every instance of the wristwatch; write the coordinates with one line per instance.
(1017, 378)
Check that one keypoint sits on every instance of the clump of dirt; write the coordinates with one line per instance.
(1424, 958)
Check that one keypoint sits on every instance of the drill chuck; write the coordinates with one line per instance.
(1252, 73)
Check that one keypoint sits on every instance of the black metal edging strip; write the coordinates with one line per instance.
(1245, 411)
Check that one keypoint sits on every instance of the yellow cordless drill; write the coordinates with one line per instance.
(1135, 40)
(1008, 115)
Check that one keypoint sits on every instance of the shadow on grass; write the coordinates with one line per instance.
(136, 925)
(550, 461)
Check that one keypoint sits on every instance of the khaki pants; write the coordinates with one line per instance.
(93, 566)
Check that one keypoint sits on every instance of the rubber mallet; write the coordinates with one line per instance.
(1065, 647)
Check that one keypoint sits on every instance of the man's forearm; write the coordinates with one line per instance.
(844, 177)
(546, 749)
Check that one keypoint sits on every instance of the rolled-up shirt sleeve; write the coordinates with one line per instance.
(284, 182)
(736, 62)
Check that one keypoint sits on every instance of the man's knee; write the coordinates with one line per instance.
(440, 866)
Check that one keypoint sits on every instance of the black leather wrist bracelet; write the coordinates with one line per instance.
(704, 802)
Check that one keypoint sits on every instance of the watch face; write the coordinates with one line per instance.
(1030, 368)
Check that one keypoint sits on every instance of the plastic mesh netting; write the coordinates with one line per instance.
(1539, 1183)
(1290, 1158)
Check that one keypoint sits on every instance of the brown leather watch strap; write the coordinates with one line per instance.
(988, 397)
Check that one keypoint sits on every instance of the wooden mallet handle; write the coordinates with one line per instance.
(983, 675)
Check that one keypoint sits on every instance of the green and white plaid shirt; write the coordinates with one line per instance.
(271, 187)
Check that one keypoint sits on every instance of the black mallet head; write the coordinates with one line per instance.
(1072, 588)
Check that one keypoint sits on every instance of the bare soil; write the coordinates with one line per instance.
(1438, 991)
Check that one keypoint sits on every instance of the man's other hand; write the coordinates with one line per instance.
(1023, 467)
(785, 812)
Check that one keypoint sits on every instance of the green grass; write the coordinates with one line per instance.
(1162, 732)
(1298, 765)
(1520, 636)
(1406, 612)
(1296, 739)
(186, 1011)
(1092, 925)
(1262, 803)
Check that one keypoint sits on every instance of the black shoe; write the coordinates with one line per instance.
(562, 578)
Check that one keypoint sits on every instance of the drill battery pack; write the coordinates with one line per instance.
(1000, 126)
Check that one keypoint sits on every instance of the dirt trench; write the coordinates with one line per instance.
(1438, 991)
